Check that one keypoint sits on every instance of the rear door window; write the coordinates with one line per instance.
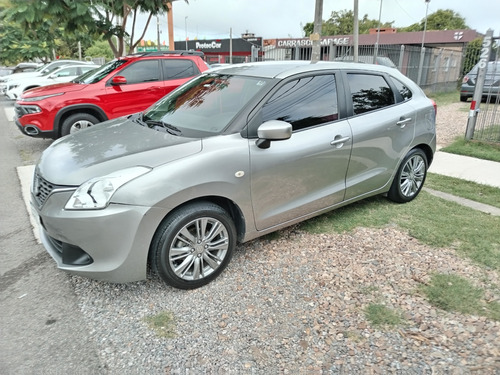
(369, 92)
(177, 69)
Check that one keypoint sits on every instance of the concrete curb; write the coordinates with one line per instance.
(465, 202)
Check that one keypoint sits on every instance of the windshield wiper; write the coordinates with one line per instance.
(168, 127)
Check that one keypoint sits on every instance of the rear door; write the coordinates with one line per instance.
(306, 173)
(383, 127)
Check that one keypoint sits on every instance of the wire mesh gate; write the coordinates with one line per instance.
(484, 116)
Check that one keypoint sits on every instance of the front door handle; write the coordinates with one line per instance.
(339, 141)
(403, 121)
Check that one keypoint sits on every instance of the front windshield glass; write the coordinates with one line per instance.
(205, 105)
(96, 75)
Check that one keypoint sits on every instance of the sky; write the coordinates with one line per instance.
(270, 19)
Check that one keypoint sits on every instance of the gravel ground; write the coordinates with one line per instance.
(451, 122)
(295, 305)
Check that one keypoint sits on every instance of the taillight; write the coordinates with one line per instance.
(466, 78)
(435, 106)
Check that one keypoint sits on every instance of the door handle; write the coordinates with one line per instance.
(339, 141)
(403, 121)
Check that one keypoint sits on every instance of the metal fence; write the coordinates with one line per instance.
(441, 69)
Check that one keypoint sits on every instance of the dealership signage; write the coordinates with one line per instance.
(292, 43)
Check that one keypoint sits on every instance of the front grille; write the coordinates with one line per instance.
(20, 112)
(43, 188)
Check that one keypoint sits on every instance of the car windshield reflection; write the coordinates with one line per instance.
(206, 105)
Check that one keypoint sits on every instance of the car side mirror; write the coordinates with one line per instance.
(274, 130)
(118, 80)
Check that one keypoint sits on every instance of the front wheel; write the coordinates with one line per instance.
(410, 177)
(193, 245)
(76, 122)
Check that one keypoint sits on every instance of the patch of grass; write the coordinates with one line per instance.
(445, 98)
(465, 189)
(163, 324)
(455, 293)
(380, 315)
(429, 219)
(476, 149)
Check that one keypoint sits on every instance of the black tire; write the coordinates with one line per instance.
(463, 98)
(409, 178)
(204, 236)
(77, 122)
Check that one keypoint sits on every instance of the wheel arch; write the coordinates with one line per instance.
(227, 204)
(429, 154)
(65, 112)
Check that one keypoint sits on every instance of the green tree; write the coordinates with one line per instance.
(100, 48)
(342, 23)
(46, 21)
(443, 19)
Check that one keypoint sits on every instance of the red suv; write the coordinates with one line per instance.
(121, 87)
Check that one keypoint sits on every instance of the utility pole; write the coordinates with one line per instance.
(158, 32)
(356, 31)
(170, 23)
(422, 49)
(378, 34)
(316, 35)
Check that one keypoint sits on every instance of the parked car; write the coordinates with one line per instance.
(491, 82)
(121, 87)
(19, 68)
(229, 156)
(62, 74)
(44, 69)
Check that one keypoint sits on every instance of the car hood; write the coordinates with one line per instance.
(108, 147)
(53, 89)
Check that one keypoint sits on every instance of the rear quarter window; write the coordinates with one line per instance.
(405, 92)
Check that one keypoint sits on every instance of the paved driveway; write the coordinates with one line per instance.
(41, 330)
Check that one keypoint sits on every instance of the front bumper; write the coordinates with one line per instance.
(33, 130)
(110, 244)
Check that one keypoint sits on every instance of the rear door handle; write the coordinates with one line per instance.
(403, 121)
(339, 141)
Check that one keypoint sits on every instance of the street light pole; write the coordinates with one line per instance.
(186, 24)
(422, 49)
(425, 23)
(378, 34)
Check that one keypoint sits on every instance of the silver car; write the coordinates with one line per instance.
(227, 157)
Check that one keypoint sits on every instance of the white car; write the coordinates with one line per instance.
(63, 74)
(5, 82)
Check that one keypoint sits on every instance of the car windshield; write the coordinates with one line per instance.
(205, 105)
(96, 75)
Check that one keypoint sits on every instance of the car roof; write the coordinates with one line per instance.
(284, 69)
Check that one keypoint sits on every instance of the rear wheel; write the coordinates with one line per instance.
(193, 245)
(463, 98)
(410, 177)
(76, 122)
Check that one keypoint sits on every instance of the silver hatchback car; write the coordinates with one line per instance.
(229, 156)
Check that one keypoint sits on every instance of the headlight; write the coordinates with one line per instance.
(36, 98)
(96, 193)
